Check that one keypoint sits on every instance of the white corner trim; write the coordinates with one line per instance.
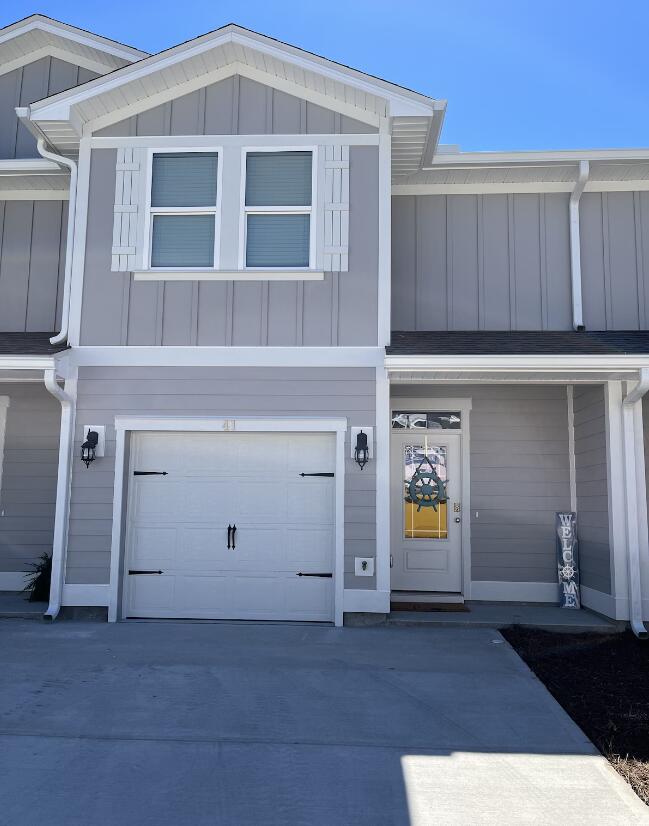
(382, 470)
(13, 580)
(228, 275)
(366, 601)
(515, 591)
(85, 595)
(4, 406)
(384, 297)
(572, 465)
(125, 424)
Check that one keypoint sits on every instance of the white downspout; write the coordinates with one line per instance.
(635, 497)
(69, 245)
(575, 246)
(62, 488)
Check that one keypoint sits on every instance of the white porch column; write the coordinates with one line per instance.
(627, 502)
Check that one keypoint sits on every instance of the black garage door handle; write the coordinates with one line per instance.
(323, 576)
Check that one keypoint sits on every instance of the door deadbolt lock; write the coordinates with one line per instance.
(457, 519)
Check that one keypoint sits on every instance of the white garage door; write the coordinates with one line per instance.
(187, 489)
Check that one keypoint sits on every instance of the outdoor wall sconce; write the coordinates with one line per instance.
(362, 443)
(93, 447)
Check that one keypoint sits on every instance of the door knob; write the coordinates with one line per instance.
(457, 519)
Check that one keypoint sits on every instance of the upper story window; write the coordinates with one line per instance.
(278, 210)
(184, 213)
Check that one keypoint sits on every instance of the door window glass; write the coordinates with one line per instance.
(424, 502)
(425, 420)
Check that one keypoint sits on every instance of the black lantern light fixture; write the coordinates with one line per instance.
(361, 450)
(89, 447)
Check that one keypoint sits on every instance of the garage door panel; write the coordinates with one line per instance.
(204, 549)
(153, 547)
(157, 500)
(308, 598)
(151, 594)
(260, 548)
(208, 500)
(200, 595)
(311, 501)
(311, 453)
(309, 549)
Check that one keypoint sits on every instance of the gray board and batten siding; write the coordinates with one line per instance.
(592, 487)
(106, 392)
(520, 475)
(502, 262)
(29, 472)
(341, 310)
(27, 84)
(32, 264)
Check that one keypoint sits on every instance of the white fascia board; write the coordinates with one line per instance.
(170, 356)
(84, 38)
(517, 363)
(51, 50)
(27, 362)
(571, 156)
(30, 166)
(530, 187)
(400, 104)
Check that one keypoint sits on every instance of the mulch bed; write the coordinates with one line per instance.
(602, 681)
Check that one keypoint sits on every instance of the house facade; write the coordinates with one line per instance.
(327, 363)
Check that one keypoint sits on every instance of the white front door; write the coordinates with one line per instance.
(187, 494)
(426, 542)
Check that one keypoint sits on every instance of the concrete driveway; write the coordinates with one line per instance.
(174, 723)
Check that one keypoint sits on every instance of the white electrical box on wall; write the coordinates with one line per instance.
(369, 432)
(100, 430)
(364, 566)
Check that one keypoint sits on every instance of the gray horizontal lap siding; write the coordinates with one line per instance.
(341, 310)
(32, 263)
(480, 262)
(592, 487)
(28, 487)
(104, 393)
(519, 476)
(23, 86)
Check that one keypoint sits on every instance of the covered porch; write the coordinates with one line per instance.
(518, 427)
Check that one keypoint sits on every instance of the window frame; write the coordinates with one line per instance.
(150, 211)
(311, 211)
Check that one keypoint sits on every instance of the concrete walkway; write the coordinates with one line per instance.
(172, 723)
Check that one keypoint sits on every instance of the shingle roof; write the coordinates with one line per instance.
(28, 344)
(491, 342)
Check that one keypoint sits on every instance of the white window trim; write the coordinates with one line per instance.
(150, 211)
(311, 210)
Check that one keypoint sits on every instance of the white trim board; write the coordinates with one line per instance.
(85, 595)
(13, 580)
(170, 356)
(228, 275)
(4, 406)
(530, 188)
(357, 600)
(205, 142)
(34, 195)
(129, 424)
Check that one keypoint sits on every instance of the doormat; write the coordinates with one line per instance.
(450, 607)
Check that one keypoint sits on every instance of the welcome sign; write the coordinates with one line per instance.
(568, 560)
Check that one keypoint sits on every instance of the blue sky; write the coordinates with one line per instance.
(516, 74)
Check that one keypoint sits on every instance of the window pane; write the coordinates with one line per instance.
(278, 179)
(182, 241)
(277, 241)
(425, 515)
(184, 179)
(426, 420)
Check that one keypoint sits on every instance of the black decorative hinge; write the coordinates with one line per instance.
(322, 576)
(318, 474)
(145, 572)
(150, 473)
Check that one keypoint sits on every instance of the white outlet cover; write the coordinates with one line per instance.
(369, 566)
(100, 429)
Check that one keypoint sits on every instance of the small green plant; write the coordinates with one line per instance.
(39, 578)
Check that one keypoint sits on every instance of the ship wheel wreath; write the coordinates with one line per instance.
(426, 489)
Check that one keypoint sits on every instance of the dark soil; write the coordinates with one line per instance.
(602, 681)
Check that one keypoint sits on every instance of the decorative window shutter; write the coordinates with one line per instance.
(129, 178)
(336, 209)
